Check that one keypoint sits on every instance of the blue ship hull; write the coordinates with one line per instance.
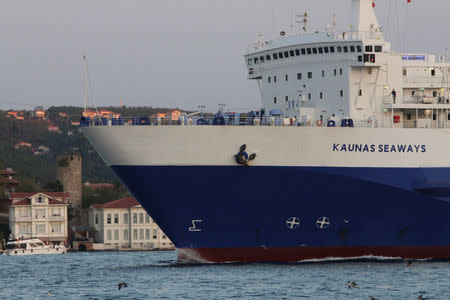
(301, 211)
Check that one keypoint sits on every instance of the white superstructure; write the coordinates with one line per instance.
(354, 74)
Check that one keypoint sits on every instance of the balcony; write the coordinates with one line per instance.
(423, 82)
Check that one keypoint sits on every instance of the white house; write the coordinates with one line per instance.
(123, 224)
(39, 215)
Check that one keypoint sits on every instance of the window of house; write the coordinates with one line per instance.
(314, 50)
(320, 50)
(299, 76)
(116, 234)
(325, 49)
(359, 48)
(433, 72)
(141, 234)
(108, 235)
(96, 218)
(134, 218)
(360, 92)
(147, 234)
(40, 228)
(250, 62)
(287, 77)
(286, 54)
(303, 51)
(309, 75)
(108, 218)
(56, 212)
(141, 218)
(268, 57)
(342, 93)
(291, 53)
(40, 213)
(352, 48)
(297, 52)
(366, 57)
(345, 49)
(308, 50)
(155, 234)
(135, 234)
(405, 72)
(116, 218)
(378, 49)
(125, 218)
(448, 117)
(40, 200)
(256, 60)
(368, 48)
(323, 73)
(268, 79)
(164, 236)
(412, 93)
(125, 234)
(147, 218)
(339, 49)
(434, 117)
(340, 71)
(274, 100)
(275, 56)
(332, 49)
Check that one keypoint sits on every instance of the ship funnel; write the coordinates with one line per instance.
(364, 18)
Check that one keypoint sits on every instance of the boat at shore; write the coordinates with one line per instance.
(346, 158)
(31, 247)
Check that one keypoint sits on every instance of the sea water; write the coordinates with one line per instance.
(158, 275)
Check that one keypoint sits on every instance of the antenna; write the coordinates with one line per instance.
(303, 21)
(85, 85)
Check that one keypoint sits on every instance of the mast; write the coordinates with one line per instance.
(85, 85)
(364, 18)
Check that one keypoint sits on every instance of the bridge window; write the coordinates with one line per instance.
(299, 76)
(309, 50)
(359, 48)
(325, 49)
(275, 56)
(320, 50)
(280, 55)
(345, 49)
(352, 48)
(368, 48)
(339, 49)
(378, 49)
(286, 54)
(268, 79)
(261, 59)
(314, 50)
(303, 51)
(291, 53)
(332, 49)
(309, 75)
(268, 57)
(342, 93)
(297, 52)
(255, 60)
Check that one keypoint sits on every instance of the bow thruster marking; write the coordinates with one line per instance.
(323, 222)
(293, 222)
(194, 227)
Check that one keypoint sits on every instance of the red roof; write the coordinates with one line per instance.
(8, 172)
(26, 201)
(50, 194)
(121, 203)
(95, 186)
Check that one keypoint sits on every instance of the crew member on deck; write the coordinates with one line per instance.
(394, 95)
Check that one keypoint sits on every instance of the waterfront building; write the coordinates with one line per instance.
(40, 215)
(123, 224)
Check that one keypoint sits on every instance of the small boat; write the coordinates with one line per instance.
(32, 247)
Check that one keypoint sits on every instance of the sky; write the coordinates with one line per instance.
(166, 53)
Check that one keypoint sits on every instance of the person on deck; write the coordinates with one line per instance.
(394, 95)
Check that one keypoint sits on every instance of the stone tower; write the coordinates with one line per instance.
(68, 172)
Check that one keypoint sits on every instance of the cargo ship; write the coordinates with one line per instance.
(348, 156)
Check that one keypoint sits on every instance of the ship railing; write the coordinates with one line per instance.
(226, 120)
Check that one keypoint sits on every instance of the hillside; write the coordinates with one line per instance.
(57, 135)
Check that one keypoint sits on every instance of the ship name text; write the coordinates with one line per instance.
(381, 148)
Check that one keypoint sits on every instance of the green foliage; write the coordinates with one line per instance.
(54, 186)
(100, 196)
(27, 185)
